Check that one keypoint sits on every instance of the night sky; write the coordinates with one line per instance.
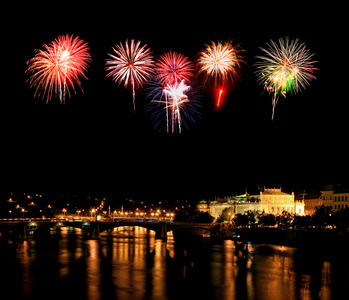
(96, 143)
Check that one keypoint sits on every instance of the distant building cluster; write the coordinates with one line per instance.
(275, 201)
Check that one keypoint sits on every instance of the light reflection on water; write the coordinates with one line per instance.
(131, 264)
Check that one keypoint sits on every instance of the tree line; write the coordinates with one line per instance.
(323, 218)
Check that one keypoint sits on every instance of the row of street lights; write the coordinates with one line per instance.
(141, 214)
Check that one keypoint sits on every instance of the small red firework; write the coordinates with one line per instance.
(219, 97)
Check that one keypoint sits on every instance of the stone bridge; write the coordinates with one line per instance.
(21, 228)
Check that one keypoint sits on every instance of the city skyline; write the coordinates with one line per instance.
(96, 143)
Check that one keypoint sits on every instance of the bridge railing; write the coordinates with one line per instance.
(16, 220)
(194, 224)
(110, 221)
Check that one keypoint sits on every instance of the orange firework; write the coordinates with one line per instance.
(56, 69)
(221, 63)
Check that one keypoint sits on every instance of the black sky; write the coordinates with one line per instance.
(96, 143)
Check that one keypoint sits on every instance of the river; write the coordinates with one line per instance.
(129, 263)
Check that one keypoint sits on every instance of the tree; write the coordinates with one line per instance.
(203, 217)
(266, 219)
(241, 220)
(301, 221)
(192, 215)
(341, 219)
(226, 215)
(244, 219)
(323, 216)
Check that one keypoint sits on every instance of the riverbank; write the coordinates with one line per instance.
(330, 242)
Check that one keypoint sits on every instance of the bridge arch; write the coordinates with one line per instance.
(125, 227)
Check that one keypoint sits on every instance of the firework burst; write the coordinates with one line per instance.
(173, 67)
(176, 103)
(286, 68)
(58, 67)
(130, 64)
(221, 62)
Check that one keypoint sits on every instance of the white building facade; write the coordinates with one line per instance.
(270, 201)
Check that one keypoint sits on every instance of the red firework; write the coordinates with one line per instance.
(57, 68)
(173, 68)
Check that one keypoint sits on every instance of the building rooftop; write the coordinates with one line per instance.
(308, 196)
(336, 188)
(274, 192)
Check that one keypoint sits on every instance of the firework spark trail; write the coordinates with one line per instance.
(130, 64)
(176, 97)
(287, 68)
(58, 66)
(178, 104)
(171, 69)
(221, 63)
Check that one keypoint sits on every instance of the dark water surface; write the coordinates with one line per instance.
(132, 264)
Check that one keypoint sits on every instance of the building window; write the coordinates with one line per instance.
(335, 206)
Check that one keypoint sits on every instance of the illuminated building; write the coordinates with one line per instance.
(270, 201)
(203, 206)
(336, 196)
(275, 201)
(311, 201)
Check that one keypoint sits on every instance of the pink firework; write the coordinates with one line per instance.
(172, 68)
(130, 64)
(57, 68)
